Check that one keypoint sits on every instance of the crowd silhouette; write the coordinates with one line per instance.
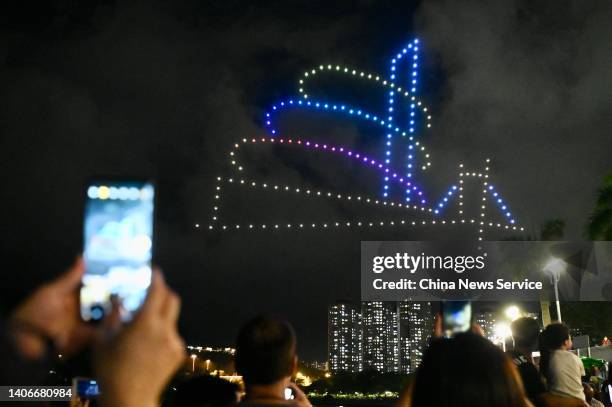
(134, 362)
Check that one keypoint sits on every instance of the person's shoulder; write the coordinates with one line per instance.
(575, 358)
(566, 355)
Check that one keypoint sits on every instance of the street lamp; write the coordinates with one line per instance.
(502, 331)
(207, 365)
(555, 267)
(193, 359)
(513, 313)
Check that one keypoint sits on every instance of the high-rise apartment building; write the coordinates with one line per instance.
(383, 336)
(486, 320)
(344, 338)
(415, 328)
(380, 324)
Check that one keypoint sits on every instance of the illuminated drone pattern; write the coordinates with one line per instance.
(414, 200)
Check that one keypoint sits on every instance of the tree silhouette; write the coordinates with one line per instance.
(599, 225)
(552, 229)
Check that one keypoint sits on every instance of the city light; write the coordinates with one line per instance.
(555, 266)
(303, 379)
(502, 332)
(193, 359)
(513, 313)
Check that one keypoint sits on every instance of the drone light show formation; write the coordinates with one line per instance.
(404, 157)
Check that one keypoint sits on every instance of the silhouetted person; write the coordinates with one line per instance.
(206, 391)
(525, 332)
(266, 358)
(589, 394)
(467, 371)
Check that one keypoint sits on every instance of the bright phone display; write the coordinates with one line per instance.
(118, 240)
(289, 394)
(85, 388)
(456, 317)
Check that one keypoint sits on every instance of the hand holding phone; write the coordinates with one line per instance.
(118, 247)
(51, 315)
(297, 395)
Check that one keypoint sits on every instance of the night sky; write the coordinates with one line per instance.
(163, 89)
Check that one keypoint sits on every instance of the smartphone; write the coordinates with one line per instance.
(456, 317)
(118, 247)
(85, 389)
(289, 393)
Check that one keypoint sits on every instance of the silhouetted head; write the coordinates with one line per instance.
(555, 336)
(265, 351)
(525, 332)
(467, 371)
(206, 391)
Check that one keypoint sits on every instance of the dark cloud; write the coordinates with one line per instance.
(529, 84)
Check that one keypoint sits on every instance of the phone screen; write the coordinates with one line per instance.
(456, 317)
(289, 393)
(118, 240)
(85, 388)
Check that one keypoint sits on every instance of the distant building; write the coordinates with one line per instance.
(389, 336)
(380, 323)
(415, 327)
(315, 364)
(344, 338)
(486, 320)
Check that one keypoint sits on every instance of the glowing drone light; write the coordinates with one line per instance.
(410, 54)
(414, 199)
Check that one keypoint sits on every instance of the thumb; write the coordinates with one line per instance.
(112, 323)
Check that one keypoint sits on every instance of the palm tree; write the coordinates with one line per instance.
(599, 225)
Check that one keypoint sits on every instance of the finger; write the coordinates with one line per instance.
(112, 322)
(171, 307)
(71, 279)
(157, 294)
(82, 335)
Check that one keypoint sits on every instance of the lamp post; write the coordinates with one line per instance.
(554, 267)
(502, 331)
(193, 359)
(207, 365)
